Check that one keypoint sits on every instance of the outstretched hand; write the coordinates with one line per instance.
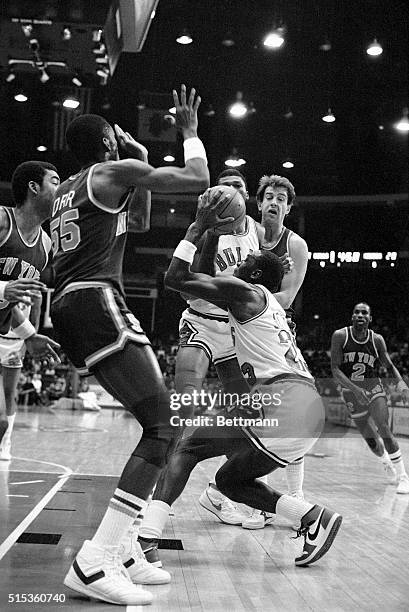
(43, 347)
(129, 145)
(186, 110)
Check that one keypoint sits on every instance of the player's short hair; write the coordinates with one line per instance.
(272, 270)
(365, 304)
(231, 172)
(275, 181)
(84, 137)
(23, 174)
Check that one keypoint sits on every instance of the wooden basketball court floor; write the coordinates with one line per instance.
(65, 466)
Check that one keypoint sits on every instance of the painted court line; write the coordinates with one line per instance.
(10, 495)
(21, 527)
(25, 482)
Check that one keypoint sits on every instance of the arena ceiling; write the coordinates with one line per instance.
(290, 89)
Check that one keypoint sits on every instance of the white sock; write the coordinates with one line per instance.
(397, 462)
(122, 511)
(295, 477)
(10, 419)
(384, 458)
(292, 508)
(156, 517)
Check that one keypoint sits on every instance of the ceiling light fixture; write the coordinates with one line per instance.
(41, 148)
(329, 117)
(374, 48)
(288, 164)
(403, 123)
(275, 39)
(71, 103)
(10, 77)
(66, 33)
(326, 45)
(238, 109)
(234, 160)
(27, 29)
(184, 38)
(21, 97)
(228, 40)
(169, 158)
(172, 110)
(76, 81)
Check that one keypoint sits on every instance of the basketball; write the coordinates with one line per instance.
(235, 207)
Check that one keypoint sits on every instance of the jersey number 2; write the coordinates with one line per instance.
(64, 232)
(358, 370)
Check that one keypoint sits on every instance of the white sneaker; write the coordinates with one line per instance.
(403, 485)
(298, 495)
(139, 570)
(221, 507)
(258, 519)
(390, 472)
(5, 449)
(98, 572)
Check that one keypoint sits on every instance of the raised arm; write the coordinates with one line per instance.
(293, 280)
(337, 341)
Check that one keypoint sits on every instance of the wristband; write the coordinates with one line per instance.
(25, 330)
(401, 386)
(185, 251)
(193, 147)
(2, 289)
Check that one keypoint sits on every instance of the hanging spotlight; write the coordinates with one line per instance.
(172, 211)
(102, 60)
(238, 109)
(326, 45)
(288, 114)
(184, 38)
(209, 112)
(27, 29)
(96, 35)
(169, 158)
(234, 160)
(71, 102)
(172, 110)
(374, 48)
(44, 77)
(99, 48)
(21, 97)
(329, 117)
(66, 33)
(41, 148)
(403, 124)
(75, 81)
(275, 39)
(10, 77)
(288, 163)
(228, 40)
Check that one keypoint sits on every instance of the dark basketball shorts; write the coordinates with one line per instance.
(91, 322)
(357, 410)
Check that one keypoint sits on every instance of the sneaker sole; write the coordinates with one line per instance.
(213, 512)
(252, 526)
(326, 546)
(77, 586)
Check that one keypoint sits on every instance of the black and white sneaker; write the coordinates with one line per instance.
(150, 550)
(98, 572)
(319, 528)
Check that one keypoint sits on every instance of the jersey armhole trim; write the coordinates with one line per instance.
(346, 337)
(10, 226)
(374, 345)
(97, 203)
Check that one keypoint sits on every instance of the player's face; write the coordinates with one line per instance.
(51, 181)
(274, 206)
(361, 316)
(236, 182)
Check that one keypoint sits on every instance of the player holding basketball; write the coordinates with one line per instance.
(266, 349)
(24, 250)
(356, 353)
(101, 335)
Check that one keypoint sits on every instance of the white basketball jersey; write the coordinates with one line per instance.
(265, 346)
(232, 249)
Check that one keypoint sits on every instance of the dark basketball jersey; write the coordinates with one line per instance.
(281, 247)
(88, 237)
(360, 358)
(20, 259)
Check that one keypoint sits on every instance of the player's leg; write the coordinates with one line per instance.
(10, 380)
(240, 479)
(380, 414)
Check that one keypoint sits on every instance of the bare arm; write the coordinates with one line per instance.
(36, 311)
(292, 281)
(337, 341)
(4, 224)
(386, 361)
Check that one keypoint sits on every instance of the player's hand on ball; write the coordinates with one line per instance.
(209, 205)
(129, 145)
(287, 262)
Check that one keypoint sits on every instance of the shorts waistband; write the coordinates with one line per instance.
(294, 377)
(206, 316)
(75, 286)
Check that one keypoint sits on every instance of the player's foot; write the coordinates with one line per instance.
(390, 472)
(298, 495)
(150, 550)
(403, 485)
(319, 528)
(258, 519)
(220, 506)
(5, 449)
(139, 569)
(98, 572)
